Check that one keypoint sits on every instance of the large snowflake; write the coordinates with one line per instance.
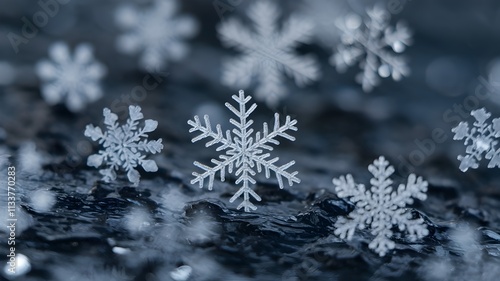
(71, 79)
(370, 44)
(156, 32)
(381, 207)
(244, 154)
(268, 53)
(124, 146)
(480, 140)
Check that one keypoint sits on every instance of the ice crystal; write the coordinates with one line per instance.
(480, 140)
(124, 146)
(381, 207)
(157, 32)
(244, 154)
(71, 79)
(370, 43)
(267, 53)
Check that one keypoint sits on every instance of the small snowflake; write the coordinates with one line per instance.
(243, 153)
(124, 145)
(380, 208)
(268, 54)
(370, 44)
(156, 31)
(481, 140)
(71, 79)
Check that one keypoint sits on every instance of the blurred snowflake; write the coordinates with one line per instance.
(29, 159)
(71, 79)
(480, 140)
(370, 44)
(124, 145)
(268, 54)
(243, 151)
(380, 207)
(156, 31)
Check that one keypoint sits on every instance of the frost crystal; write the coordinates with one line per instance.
(71, 79)
(243, 153)
(481, 140)
(370, 44)
(380, 208)
(124, 146)
(268, 54)
(156, 32)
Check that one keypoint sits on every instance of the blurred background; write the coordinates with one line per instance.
(79, 228)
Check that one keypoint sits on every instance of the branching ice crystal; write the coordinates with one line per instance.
(243, 153)
(268, 53)
(156, 32)
(381, 207)
(481, 140)
(370, 44)
(71, 79)
(124, 146)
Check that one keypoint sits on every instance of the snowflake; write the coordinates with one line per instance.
(243, 152)
(124, 145)
(71, 79)
(380, 207)
(480, 140)
(156, 31)
(267, 53)
(370, 45)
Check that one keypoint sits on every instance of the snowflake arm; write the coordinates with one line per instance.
(380, 208)
(372, 45)
(73, 80)
(268, 52)
(124, 146)
(346, 187)
(481, 140)
(245, 155)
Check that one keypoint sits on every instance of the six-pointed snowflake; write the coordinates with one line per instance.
(124, 146)
(481, 140)
(268, 53)
(156, 31)
(243, 153)
(71, 79)
(381, 207)
(370, 44)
